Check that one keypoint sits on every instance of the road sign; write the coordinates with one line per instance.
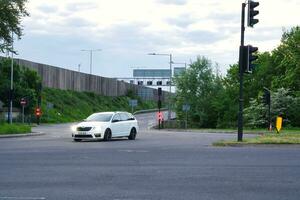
(50, 105)
(133, 102)
(23, 102)
(186, 107)
(278, 123)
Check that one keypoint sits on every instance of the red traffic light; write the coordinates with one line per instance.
(38, 112)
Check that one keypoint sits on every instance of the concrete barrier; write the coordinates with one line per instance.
(55, 77)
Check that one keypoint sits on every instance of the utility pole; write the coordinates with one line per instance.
(241, 72)
(245, 58)
(91, 56)
(11, 79)
(170, 89)
(170, 82)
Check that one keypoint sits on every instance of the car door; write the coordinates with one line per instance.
(125, 125)
(116, 125)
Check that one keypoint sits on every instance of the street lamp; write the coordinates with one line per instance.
(91, 56)
(170, 89)
(11, 78)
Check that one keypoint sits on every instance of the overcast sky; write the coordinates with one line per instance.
(126, 31)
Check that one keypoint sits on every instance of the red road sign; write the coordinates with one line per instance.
(23, 102)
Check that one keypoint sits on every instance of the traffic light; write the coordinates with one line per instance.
(38, 112)
(250, 57)
(252, 13)
(159, 91)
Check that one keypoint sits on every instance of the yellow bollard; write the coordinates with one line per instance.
(278, 124)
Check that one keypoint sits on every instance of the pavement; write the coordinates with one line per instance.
(157, 165)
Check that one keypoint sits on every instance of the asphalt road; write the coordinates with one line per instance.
(158, 165)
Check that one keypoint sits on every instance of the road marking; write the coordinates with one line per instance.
(133, 151)
(24, 198)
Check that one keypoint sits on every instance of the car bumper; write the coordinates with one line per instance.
(87, 135)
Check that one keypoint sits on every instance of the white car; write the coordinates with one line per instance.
(106, 125)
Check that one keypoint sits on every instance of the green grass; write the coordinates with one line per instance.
(6, 129)
(71, 106)
(285, 137)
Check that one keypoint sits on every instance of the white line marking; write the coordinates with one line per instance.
(24, 198)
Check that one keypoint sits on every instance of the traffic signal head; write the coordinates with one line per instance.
(252, 13)
(159, 91)
(38, 112)
(250, 58)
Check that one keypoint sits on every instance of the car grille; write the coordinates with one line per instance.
(84, 128)
(83, 136)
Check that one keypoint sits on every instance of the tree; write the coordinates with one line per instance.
(11, 13)
(199, 87)
(26, 84)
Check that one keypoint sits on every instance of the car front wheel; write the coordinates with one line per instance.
(107, 135)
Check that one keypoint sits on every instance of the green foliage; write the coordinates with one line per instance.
(70, 106)
(256, 114)
(25, 84)
(200, 88)
(14, 129)
(214, 100)
(11, 13)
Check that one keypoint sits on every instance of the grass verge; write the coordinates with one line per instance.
(6, 129)
(71, 106)
(288, 137)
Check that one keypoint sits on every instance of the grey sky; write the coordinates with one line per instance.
(126, 31)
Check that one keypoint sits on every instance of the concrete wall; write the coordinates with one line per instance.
(55, 77)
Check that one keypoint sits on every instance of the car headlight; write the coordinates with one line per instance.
(73, 128)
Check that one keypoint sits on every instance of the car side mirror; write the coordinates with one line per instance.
(115, 120)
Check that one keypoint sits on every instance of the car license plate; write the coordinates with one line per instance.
(82, 133)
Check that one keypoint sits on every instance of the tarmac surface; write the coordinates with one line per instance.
(157, 165)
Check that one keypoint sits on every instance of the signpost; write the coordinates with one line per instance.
(133, 103)
(186, 108)
(23, 103)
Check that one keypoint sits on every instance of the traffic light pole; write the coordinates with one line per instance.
(241, 71)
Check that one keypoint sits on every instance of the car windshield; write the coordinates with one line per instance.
(99, 117)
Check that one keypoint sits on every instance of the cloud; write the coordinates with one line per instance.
(47, 8)
(183, 21)
(204, 37)
(173, 2)
(78, 22)
(82, 6)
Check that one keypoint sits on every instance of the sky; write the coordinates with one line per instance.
(126, 31)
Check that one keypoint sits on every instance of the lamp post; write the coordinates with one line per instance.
(170, 84)
(11, 79)
(91, 56)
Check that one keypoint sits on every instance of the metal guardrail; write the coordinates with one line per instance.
(148, 111)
